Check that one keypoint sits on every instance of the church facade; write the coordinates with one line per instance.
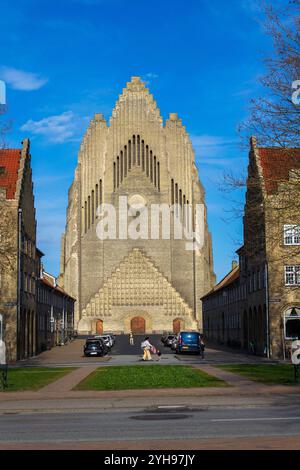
(136, 279)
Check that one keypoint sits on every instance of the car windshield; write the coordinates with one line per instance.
(91, 345)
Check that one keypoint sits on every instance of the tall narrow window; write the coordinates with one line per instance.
(129, 155)
(93, 206)
(89, 211)
(180, 197)
(133, 151)
(172, 193)
(97, 199)
(188, 216)
(154, 168)
(138, 150)
(176, 193)
(118, 172)
(151, 166)
(143, 155)
(147, 160)
(114, 176)
(158, 176)
(85, 216)
(125, 160)
(101, 192)
(184, 210)
(121, 166)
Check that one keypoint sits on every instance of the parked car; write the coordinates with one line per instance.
(169, 340)
(174, 343)
(112, 335)
(107, 340)
(190, 341)
(95, 347)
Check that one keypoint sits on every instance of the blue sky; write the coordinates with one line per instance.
(65, 60)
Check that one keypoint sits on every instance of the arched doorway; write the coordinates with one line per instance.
(138, 325)
(99, 327)
(176, 326)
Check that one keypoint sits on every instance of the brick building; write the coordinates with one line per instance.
(257, 305)
(18, 261)
(144, 283)
(55, 313)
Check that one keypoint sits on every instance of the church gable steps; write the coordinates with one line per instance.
(137, 282)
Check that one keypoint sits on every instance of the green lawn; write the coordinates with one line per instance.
(152, 376)
(270, 374)
(33, 378)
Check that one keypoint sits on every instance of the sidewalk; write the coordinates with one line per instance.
(59, 394)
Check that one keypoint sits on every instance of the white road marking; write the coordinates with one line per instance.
(256, 419)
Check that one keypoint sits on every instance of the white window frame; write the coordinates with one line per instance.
(291, 235)
(294, 271)
(1, 327)
(286, 318)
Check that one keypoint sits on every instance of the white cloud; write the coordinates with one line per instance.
(217, 150)
(57, 129)
(21, 80)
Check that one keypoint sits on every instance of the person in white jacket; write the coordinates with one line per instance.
(146, 347)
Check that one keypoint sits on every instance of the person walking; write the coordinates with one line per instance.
(131, 340)
(146, 347)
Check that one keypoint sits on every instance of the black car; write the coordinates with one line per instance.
(164, 337)
(95, 347)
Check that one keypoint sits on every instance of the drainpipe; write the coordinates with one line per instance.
(19, 283)
(267, 309)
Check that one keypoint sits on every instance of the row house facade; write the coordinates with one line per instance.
(55, 318)
(256, 307)
(20, 260)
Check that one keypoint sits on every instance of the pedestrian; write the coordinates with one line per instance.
(146, 347)
(202, 346)
(158, 353)
(131, 340)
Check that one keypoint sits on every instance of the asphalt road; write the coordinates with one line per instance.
(122, 345)
(159, 424)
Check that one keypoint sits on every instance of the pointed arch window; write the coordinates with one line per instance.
(138, 151)
(143, 155)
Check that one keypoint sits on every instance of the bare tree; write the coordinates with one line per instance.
(275, 117)
(7, 241)
(275, 121)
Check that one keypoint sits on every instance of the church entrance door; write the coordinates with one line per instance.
(99, 327)
(176, 326)
(138, 325)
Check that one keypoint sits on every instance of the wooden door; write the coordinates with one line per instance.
(99, 327)
(176, 326)
(138, 325)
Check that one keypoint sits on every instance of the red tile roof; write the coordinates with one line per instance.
(45, 280)
(9, 166)
(232, 276)
(276, 164)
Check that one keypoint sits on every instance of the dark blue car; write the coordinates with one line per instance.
(190, 341)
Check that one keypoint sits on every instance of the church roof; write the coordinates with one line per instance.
(276, 163)
(9, 166)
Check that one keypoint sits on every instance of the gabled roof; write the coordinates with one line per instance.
(232, 276)
(276, 163)
(9, 167)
